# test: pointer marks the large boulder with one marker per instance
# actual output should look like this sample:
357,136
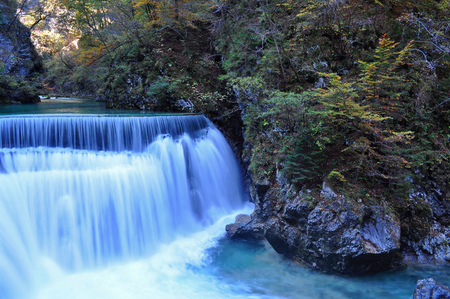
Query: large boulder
431,289
335,235
332,237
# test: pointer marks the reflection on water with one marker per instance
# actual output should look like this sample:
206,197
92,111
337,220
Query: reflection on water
64,106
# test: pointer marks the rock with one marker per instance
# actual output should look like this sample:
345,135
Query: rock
18,57
327,193
331,237
340,241
431,289
245,228
320,83
438,199
431,248
261,190
185,105
283,238
297,212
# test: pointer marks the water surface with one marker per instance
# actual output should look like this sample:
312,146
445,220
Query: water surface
67,106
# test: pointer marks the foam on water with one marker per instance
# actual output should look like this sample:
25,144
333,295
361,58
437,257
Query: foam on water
177,270
83,201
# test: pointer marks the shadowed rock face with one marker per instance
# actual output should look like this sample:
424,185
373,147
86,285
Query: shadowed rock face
332,238
431,289
329,237
245,228
18,57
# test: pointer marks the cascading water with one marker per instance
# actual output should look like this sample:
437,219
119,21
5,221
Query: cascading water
121,207
88,191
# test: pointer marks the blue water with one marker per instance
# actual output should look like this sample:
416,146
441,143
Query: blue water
141,217
264,272
65,106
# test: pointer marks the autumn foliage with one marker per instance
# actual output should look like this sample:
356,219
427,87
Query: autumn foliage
352,92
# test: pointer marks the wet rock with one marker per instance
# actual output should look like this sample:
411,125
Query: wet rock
277,235
431,289
340,241
245,228
431,248
332,237
297,212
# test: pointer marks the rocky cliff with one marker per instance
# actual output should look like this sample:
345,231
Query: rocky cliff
333,234
19,60
330,232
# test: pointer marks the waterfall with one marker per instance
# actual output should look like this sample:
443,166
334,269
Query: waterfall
89,191
98,133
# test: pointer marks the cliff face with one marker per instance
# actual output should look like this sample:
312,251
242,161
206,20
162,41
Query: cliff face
345,127
333,233
19,60
324,231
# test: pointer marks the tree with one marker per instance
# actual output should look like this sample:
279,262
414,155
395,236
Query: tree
303,163
362,109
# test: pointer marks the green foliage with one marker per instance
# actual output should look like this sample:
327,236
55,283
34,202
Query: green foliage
362,109
139,54
282,131
382,113
10,84
159,87
64,76
303,163
7,83
210,102
336,176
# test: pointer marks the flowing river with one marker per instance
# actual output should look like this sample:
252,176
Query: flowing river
97,203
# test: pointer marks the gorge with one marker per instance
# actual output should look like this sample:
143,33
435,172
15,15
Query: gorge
336,111
136,205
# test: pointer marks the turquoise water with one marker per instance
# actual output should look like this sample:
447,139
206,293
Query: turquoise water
264,272
67,106
202,264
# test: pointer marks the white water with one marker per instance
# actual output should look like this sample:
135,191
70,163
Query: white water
96,132
108,206
178,270
148,237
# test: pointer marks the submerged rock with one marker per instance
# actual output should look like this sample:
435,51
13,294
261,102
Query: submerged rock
431,289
